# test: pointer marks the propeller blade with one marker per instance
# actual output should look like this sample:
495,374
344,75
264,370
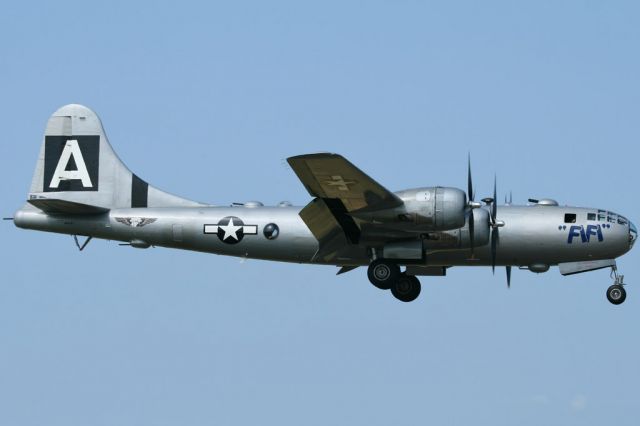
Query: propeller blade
470,193
494,247
508,276
471,198
471,231
510,197
494,205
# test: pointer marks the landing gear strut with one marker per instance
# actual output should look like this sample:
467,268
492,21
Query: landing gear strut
616,293
386,275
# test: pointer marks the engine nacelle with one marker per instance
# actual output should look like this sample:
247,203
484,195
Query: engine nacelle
423,210
453,239
456,239
436,208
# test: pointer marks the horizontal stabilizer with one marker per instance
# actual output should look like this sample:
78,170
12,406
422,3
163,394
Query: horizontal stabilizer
55,206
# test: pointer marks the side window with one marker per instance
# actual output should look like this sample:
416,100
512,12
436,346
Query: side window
570,218
591,216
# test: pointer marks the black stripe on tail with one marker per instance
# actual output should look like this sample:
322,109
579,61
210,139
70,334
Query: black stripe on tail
139,192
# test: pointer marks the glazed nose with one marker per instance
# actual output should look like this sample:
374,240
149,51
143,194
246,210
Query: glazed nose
633,234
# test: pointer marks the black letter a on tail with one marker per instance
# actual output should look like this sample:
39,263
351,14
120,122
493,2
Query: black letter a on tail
71,163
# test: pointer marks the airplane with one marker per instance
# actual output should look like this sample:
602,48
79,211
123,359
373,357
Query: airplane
81,188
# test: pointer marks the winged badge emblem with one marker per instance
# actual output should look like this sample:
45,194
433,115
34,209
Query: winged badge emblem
136,222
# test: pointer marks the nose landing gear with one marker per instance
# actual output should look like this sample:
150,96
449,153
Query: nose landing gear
616,293
386,275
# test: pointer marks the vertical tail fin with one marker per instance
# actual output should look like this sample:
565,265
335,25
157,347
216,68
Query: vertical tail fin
78,165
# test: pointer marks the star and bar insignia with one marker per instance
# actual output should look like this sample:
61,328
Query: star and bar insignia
231,229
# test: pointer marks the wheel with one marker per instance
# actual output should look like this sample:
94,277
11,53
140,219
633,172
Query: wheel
616,294
406,288
383,273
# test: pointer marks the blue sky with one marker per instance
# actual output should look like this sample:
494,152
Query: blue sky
206,100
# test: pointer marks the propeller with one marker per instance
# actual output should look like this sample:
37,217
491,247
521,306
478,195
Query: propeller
495,234
495,229
470,193
470,196
471,205
494,223
508,268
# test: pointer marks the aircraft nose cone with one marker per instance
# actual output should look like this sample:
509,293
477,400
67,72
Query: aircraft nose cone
633,234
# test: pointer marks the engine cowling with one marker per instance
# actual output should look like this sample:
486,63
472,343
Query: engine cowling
456,239
435,208
423,210
453,239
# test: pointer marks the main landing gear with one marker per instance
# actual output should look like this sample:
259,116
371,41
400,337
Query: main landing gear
616,294
386,275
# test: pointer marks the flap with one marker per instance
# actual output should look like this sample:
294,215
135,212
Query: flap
331,226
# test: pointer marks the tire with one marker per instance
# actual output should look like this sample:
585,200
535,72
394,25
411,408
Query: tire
383,273
406,288
616,294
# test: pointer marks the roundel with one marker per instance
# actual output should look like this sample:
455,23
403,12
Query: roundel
231,229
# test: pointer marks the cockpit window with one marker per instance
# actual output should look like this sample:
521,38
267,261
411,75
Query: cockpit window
591,216
602,215
570,218
612,217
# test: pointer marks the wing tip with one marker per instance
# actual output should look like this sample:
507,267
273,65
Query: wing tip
312,156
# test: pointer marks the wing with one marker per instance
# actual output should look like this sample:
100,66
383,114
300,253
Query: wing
333,176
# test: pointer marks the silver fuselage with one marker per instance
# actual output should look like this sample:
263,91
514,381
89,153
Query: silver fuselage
531,234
